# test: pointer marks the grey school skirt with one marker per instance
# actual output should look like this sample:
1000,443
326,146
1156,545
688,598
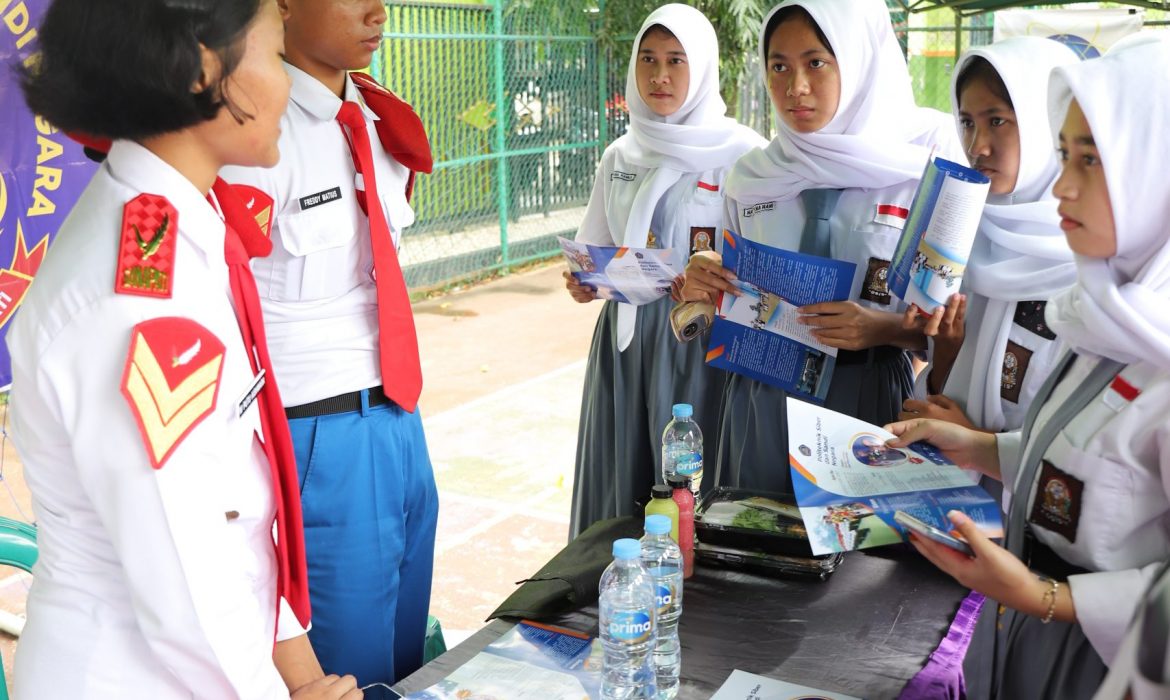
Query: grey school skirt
626,405
753,424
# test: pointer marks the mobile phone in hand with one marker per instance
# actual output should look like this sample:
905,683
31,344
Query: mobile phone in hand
931,532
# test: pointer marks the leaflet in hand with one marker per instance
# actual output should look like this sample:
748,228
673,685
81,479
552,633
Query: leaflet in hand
848,483
932,253
530,662
759,334
630,275
742,685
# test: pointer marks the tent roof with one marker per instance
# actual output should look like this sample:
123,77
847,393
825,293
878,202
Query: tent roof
973,7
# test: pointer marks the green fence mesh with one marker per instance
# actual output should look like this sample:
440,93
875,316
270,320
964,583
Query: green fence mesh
520,97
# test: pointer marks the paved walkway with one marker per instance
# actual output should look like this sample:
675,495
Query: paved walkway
503,365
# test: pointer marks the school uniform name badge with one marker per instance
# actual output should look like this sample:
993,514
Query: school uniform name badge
146,251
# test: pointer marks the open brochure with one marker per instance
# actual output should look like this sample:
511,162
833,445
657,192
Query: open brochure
742,685
759,334
529,662
849,484
630,275
932,253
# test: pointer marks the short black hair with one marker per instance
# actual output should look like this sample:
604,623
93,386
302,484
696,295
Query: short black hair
789,13
980,70
124,70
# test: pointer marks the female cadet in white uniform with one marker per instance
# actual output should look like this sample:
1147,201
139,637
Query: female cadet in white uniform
1020,258
1091,469
849,130
660,185
134,400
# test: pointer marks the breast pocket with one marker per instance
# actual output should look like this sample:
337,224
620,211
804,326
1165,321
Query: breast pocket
871,248
324,257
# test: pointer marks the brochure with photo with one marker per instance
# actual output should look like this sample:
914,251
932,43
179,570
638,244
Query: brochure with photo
629,275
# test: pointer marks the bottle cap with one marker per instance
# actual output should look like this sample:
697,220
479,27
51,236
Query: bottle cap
682,410
627,549
657,524
678,481
660,491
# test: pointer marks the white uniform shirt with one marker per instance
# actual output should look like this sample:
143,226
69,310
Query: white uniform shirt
688,214
1120,450
862,233
144,588
317,289
1148,678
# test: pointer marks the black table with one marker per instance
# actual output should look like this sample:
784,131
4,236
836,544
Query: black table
866,631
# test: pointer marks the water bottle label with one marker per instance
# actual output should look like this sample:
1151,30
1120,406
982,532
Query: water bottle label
689,464
631,627
664,597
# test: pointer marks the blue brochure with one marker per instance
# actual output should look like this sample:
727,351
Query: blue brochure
530,662
932,253
758,334
849,484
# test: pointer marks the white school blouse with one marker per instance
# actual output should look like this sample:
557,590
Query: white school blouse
1119,449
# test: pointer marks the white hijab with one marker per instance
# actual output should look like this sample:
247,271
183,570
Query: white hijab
696,138
878,138
1120,306
1020,253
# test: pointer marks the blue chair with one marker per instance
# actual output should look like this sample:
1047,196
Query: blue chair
18,547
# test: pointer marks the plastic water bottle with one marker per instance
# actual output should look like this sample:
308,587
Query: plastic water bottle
664,561
627,625
682,447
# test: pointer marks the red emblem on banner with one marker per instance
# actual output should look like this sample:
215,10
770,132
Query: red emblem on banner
146,253
259,205
171,381
14,281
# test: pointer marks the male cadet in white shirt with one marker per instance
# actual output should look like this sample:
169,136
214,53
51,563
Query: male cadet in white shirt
342,340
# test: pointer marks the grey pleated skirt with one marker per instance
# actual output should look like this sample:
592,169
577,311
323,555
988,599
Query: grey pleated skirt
626,405
753,424
1030,659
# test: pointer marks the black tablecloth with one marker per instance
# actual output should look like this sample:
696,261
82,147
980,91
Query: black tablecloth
866,631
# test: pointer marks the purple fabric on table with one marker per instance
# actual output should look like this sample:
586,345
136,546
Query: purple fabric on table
942,676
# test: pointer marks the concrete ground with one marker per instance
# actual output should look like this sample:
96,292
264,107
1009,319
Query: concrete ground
504,364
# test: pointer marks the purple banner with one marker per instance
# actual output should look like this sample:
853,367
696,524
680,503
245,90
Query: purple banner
42,171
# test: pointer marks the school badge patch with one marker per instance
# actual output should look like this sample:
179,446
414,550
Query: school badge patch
1016,359
1058,502
171,381
146,252
876,286
702,238
258,204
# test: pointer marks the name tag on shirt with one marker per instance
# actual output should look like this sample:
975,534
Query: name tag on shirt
250,395
751,211
316,200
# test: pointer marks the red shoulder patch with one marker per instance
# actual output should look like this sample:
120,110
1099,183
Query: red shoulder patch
171,381
146,250
258,204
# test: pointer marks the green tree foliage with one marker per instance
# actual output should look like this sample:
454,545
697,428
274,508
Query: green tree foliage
615,22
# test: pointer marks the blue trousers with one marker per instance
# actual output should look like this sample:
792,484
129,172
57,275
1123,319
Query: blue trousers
370,509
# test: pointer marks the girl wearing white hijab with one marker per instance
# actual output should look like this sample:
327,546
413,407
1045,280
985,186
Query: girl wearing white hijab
1020,258
851,148
660,185
1091,468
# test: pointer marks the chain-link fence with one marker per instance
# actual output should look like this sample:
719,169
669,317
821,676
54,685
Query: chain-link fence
517,120
518,117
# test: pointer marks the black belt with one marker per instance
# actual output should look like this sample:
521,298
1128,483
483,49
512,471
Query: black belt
880,354
343,403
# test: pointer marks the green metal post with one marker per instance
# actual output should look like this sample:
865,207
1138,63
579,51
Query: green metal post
502,115
958,36
602,84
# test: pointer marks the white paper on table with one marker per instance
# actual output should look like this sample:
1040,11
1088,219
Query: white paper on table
488,675
742,685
